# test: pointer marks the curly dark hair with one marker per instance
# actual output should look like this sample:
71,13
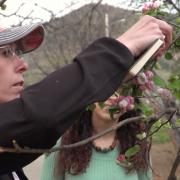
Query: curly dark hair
76,160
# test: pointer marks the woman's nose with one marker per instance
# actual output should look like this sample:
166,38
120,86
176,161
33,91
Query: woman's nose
20,65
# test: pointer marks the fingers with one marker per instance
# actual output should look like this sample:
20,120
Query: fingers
164,27
166,30
142,34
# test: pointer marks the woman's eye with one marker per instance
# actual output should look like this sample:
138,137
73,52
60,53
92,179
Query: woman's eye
7,53
4,53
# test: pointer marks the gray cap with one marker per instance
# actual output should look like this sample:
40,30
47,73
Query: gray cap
27,37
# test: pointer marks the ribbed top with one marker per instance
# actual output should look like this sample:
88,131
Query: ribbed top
103,166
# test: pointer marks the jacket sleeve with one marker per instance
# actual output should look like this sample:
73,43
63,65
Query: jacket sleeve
46,109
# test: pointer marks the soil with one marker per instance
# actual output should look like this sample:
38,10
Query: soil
163,156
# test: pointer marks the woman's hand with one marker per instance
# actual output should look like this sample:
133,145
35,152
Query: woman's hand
142,34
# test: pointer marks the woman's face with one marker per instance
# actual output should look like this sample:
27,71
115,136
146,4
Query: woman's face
12,68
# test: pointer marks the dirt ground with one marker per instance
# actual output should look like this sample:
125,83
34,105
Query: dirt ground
163,156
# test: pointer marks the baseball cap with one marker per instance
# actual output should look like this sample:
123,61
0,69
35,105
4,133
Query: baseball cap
26,37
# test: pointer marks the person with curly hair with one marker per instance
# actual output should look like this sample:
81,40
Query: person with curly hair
100,159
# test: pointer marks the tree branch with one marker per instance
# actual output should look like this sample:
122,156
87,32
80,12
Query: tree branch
172,175
173,4
18,149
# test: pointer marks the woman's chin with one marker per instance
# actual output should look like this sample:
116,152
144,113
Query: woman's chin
12,97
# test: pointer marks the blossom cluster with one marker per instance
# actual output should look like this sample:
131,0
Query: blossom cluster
152,5
164,93
124,103
144,80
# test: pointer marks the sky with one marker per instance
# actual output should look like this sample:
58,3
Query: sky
59,7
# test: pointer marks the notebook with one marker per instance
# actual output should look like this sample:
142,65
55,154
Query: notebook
143,59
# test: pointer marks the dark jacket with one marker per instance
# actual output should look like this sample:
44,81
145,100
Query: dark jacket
20,174
48,108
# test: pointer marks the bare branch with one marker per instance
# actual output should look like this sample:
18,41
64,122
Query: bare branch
173,4
172,175
18,149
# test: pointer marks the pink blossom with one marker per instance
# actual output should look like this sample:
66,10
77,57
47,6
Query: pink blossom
112,102
130,101
121,158
142,78
149,74
157,4
123,104
151,5
160,90
142,87
130,107
150,85
127,103
164,93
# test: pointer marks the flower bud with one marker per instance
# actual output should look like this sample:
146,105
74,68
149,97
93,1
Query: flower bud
121,158
142,88
130,107
150,85
123,104
164,93
149,74
142,79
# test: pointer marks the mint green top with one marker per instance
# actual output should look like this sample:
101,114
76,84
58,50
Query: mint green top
102,166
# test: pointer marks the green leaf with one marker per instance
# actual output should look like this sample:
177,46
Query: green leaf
124,164
113,110
159,81
177,42
132,151
157,66
178,20
174,85
147,110
177,95
173,78
136,91
168,56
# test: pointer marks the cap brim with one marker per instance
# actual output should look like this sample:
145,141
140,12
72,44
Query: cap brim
27,38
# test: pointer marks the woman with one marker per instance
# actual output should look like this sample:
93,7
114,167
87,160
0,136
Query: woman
99,159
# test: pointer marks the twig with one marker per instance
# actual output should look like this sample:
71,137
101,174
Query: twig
173,4
177,37
169,119
172,175
18,149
